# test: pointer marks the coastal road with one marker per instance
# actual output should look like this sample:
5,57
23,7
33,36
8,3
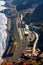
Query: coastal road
35,43
22,47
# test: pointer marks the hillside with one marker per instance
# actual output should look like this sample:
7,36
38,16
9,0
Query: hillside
25,4
36,16
18,2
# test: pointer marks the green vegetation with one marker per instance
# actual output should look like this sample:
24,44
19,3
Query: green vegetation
27,18
33,62
38,61
36,17
31,43
15,35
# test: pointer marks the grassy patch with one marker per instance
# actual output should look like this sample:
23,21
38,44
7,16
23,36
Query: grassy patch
15,34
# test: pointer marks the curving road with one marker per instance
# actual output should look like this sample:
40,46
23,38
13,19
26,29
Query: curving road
35,43
22,46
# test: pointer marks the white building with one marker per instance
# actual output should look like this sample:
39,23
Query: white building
26,32
26,27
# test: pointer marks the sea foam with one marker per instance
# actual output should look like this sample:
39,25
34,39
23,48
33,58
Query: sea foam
3,27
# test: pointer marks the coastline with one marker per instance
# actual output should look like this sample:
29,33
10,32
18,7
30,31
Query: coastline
3,28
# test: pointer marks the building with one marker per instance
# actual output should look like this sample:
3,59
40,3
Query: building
26,32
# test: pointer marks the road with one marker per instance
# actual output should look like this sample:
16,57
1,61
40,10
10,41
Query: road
22,46
35,43
19,30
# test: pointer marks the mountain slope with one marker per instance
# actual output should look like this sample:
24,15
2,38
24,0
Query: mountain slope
25,4
18,2
36,16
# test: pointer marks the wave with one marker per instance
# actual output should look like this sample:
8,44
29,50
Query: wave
3,27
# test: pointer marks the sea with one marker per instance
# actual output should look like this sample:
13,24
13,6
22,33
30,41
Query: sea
3,28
